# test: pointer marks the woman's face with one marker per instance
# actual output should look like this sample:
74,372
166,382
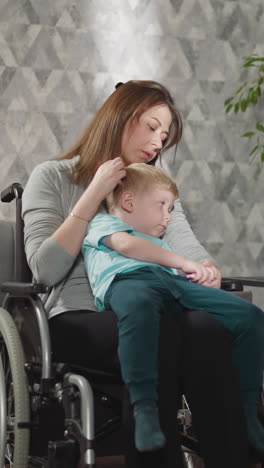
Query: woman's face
142,140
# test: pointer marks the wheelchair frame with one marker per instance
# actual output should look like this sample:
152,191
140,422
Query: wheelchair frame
78,403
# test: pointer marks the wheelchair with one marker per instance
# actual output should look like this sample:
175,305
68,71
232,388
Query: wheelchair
55,415
47,409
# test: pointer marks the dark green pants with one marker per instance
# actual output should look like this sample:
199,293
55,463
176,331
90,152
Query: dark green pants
140,297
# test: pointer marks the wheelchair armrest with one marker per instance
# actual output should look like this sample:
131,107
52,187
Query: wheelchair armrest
231,284
23,289
254,281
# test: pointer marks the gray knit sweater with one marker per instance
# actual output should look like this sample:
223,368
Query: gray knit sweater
48,199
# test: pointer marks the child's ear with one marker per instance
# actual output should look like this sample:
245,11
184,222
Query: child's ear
127,199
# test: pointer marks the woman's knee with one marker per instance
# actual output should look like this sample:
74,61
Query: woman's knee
212,342
251,318
202,327
257,320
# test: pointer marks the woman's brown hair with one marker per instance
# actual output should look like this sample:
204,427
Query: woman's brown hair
101,140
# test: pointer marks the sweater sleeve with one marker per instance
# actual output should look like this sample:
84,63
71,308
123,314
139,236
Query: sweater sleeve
180,237
42,212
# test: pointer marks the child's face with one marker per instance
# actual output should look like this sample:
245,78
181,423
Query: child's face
151,211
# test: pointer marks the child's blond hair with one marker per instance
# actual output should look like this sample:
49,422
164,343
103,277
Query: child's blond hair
141,178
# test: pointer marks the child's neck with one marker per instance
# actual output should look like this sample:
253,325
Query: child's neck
122,214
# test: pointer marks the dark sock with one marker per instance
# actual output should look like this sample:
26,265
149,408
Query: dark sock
148,434
254,427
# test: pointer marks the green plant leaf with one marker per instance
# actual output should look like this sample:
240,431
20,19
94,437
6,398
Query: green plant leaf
244,104
228,108
250,93
227,101
252,59
248,134
262,156
254,150
236,108
260,127
237,91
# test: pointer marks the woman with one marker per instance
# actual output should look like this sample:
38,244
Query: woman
136,123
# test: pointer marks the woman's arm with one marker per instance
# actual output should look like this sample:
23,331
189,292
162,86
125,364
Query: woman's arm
53,238
43,213
181,239
72,231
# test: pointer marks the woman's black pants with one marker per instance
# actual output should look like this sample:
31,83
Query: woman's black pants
195,358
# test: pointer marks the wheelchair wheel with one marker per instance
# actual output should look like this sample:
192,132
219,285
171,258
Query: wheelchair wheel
17,397
2,414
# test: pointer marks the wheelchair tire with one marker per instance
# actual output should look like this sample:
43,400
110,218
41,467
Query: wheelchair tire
17,395
2,414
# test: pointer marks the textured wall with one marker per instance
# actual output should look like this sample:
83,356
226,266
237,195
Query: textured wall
59,59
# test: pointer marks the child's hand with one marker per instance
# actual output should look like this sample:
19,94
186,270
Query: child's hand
196,272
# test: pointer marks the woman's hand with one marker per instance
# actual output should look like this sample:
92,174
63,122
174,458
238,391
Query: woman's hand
208,276
197,272
107,177
215,280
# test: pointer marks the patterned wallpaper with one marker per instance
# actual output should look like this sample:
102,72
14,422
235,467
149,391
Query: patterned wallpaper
60,59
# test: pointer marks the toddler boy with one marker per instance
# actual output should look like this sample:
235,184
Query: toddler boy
127,261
